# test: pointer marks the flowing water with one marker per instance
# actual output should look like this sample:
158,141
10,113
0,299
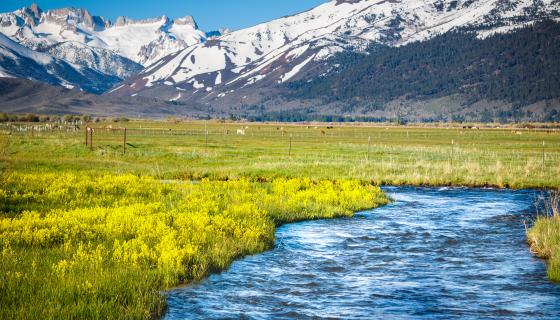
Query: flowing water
432,253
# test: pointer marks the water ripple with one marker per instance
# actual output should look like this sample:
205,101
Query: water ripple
432,254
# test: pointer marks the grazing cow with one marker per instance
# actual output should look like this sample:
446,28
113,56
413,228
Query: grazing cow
240,132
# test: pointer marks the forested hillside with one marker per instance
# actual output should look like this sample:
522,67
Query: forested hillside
521,67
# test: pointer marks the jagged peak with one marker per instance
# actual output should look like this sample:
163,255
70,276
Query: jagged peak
123,21
34,10
75,16
31,15
187,20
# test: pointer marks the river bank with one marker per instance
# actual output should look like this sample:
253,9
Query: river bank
544,235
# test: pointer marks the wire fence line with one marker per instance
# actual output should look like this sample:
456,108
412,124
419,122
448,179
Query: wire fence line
270,131
311,144
266,130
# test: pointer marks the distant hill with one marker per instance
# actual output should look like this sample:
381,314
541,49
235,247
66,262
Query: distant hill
27,96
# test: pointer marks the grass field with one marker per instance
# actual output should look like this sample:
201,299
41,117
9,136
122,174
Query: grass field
98,230
385,154
87,233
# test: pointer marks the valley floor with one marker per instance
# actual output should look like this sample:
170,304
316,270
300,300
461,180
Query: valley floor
97,230
506,157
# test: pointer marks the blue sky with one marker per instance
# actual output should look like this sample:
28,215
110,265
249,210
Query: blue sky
209,14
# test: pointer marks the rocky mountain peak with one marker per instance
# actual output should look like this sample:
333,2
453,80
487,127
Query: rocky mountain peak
76,17
187,20
31,14
124,21
34,11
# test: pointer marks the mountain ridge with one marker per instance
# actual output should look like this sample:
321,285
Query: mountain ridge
116,51
286,49
108,52
246,71
36,28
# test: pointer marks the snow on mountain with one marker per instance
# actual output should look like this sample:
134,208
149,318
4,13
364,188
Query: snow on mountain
11,48
178,57
146,41
292,47
118,49
102,60
21,62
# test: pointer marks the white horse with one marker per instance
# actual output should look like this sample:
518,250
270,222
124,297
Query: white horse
240,132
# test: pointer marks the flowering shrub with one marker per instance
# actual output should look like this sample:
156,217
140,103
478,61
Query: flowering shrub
84,228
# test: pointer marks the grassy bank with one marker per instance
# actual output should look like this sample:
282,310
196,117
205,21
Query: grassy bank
79,246
544,236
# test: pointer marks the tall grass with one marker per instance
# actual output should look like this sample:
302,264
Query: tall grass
544,236
397,155
102,247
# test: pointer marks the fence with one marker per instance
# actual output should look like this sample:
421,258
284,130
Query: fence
307,143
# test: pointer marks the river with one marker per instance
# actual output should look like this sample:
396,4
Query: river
432,253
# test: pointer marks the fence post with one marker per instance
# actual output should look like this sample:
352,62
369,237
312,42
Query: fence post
91,139
452,152
543,158
206,141
87,132
368,147
290,149
124,142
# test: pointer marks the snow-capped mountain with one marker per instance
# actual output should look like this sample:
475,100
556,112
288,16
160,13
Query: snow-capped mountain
18,61
117,49
233,67
174,60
